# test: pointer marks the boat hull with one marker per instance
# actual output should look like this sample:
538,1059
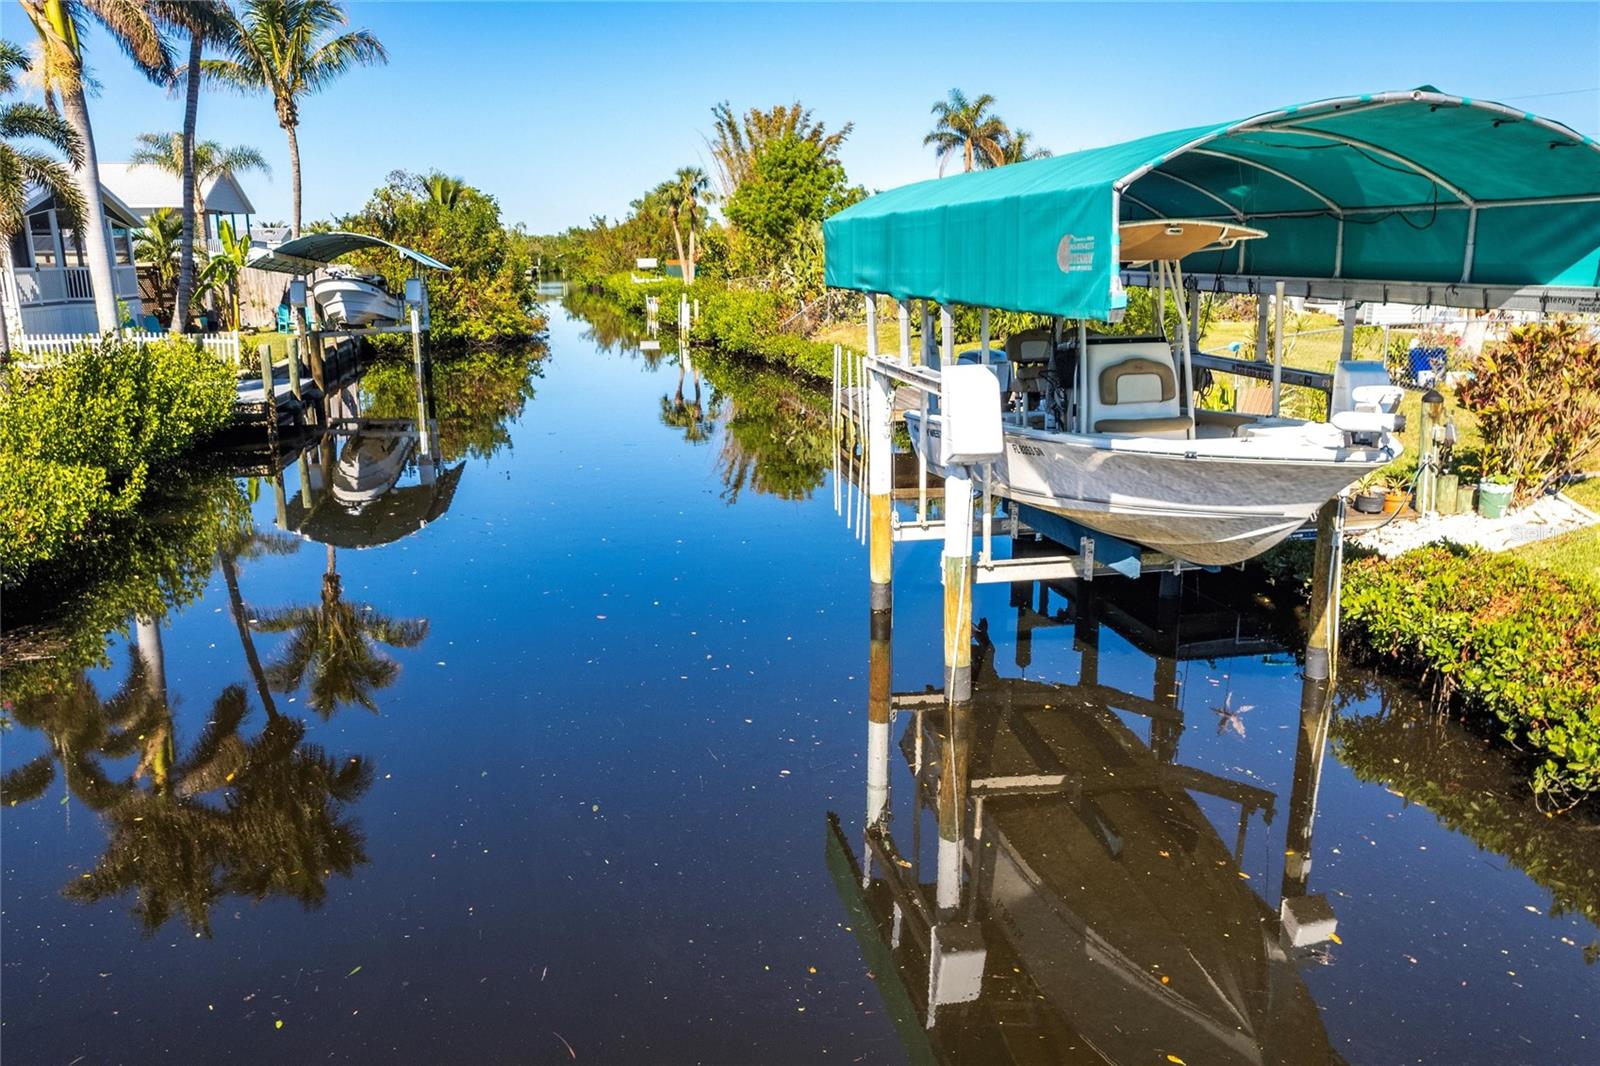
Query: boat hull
1208,509
356,303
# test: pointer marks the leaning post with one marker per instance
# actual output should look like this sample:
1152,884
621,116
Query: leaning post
269,396
880,468
1322,648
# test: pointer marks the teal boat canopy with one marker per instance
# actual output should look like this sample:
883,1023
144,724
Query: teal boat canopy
1413,196
311,252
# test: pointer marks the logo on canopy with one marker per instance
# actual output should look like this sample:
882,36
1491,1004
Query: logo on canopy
1075,255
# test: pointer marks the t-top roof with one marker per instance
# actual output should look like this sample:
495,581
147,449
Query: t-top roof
1402,187
313,251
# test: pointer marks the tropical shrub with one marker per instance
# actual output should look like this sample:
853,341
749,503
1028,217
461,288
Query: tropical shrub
1536,395
734,321
486,296
79,441
1513,646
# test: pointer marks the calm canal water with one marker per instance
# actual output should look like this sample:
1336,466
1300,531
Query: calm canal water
571,762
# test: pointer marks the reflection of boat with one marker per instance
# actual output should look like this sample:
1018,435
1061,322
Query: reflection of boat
370,462
1082,905
346,298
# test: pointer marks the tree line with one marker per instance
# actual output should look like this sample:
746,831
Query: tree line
776,175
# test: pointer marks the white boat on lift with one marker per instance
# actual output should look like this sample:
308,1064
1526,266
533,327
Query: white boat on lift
1117,444
371,461
347,299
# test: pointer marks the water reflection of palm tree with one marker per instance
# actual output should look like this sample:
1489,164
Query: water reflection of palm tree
336,642
254,545
279,831
84,731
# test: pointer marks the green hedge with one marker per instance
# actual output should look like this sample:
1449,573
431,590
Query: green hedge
1514,645
79,441
736,321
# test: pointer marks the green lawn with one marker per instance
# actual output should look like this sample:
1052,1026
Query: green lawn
1586,493
1575,555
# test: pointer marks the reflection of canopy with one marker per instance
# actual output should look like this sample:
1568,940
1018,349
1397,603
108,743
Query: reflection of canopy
1475,198
398,513
312,252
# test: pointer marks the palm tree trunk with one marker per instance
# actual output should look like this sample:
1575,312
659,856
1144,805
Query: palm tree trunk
688,264
677,238
230,574
191,110
294,179
94,237
967,146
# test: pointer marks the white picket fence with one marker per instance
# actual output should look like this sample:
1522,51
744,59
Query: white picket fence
38,350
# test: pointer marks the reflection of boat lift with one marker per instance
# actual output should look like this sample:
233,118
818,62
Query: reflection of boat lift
1035,937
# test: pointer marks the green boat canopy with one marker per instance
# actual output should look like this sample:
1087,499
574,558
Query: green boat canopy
313,251
1412,196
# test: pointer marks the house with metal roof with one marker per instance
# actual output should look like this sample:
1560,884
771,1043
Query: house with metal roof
147,189
46,288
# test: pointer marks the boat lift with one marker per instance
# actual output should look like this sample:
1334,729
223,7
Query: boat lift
1415,196
304,256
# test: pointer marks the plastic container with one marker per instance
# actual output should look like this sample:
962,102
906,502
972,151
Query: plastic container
1445,493
1368,502
1493,499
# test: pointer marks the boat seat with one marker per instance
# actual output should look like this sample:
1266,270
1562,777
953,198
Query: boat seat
1144,427
1137,380
1229,423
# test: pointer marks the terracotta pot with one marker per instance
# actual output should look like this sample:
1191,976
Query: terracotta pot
1395,500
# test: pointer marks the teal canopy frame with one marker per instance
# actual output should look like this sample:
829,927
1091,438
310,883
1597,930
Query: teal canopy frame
1414,196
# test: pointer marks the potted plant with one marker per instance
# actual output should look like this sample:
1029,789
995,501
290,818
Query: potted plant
1494,495
1395,499
1370,492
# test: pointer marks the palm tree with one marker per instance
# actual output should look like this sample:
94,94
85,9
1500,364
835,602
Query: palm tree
291,49
1016,147
740,138
158,245
684,194
198,164
336,643
60,25
445,190
968,127
22,166
204,21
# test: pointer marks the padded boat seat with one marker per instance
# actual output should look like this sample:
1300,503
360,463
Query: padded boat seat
1137,380
1232,419
1144,427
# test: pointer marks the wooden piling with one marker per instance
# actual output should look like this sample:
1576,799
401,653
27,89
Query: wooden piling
878,697
269,396
958,587
294,366
880,470
1322,648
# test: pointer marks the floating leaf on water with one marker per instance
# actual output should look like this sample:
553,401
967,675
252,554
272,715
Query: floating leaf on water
353,972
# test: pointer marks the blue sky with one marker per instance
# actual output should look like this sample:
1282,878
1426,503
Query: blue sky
565,111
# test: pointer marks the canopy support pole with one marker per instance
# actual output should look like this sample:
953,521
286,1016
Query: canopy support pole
927,334
983,335
1262,308
1185,331
1347,345
1277,348
1081,382
903,311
